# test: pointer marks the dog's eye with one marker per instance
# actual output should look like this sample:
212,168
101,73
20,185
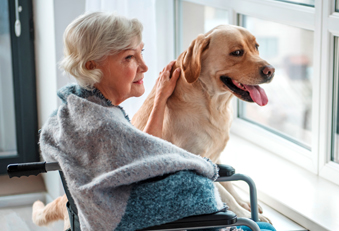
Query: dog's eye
237,53
257,47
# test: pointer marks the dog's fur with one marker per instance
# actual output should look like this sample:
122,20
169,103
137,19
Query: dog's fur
56,210
199,113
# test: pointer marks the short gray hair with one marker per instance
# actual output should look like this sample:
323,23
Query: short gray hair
92,37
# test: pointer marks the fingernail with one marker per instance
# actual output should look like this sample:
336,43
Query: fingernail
178,69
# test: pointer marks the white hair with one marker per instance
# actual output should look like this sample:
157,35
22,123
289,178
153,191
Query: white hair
92,37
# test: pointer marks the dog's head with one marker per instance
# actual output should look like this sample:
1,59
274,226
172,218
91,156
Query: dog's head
227,59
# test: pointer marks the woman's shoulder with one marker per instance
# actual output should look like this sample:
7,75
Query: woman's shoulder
86,99
73,89
90,94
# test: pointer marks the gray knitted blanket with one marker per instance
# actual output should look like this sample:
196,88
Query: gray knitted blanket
121,178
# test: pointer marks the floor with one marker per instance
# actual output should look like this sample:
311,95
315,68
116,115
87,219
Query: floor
19,219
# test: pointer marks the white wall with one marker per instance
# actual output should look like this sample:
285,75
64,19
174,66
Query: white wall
45,58
164,32
50,20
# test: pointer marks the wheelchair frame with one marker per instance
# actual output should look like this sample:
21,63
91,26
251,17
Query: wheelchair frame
217,220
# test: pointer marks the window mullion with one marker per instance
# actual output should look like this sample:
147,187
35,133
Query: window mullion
316,84
329,71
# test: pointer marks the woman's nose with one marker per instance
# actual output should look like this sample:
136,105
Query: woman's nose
143,66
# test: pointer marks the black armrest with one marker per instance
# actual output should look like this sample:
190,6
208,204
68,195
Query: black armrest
225,170
220,219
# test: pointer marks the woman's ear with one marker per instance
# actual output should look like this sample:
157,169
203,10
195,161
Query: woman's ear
191,58
90,65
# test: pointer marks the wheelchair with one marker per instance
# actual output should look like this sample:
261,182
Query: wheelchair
199,222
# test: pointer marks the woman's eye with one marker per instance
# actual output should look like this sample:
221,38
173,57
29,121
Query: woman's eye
237,53
129,57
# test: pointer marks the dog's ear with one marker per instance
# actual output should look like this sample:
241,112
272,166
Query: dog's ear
191,60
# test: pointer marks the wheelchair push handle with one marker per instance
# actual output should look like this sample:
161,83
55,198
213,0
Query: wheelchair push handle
28,169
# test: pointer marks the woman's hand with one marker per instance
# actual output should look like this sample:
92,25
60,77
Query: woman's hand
165,83
164,88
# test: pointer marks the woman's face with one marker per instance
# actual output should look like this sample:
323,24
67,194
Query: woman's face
123,75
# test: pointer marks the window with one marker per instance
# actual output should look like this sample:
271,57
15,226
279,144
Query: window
18,110
290,94
300,38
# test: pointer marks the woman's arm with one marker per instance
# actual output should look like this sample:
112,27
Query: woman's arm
164,88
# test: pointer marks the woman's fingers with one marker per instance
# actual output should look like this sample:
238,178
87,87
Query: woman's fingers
166,71
176,74
170,65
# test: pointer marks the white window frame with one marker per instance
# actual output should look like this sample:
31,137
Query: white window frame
330,29
324,22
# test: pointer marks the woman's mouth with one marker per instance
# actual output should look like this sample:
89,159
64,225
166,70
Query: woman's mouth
140,81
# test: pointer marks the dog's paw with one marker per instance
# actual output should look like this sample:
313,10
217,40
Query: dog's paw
241,212
264,219
247,205
37,208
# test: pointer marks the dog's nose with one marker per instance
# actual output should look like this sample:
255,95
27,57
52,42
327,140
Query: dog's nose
268,72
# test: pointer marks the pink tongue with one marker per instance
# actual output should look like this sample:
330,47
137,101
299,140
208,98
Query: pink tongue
257,94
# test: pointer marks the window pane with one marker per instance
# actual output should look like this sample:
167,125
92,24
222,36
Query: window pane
289,108
198,19
300,2
335,129
7,113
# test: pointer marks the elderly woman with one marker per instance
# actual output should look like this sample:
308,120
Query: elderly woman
120,178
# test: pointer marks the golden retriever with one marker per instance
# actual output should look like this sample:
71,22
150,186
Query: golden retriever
217,65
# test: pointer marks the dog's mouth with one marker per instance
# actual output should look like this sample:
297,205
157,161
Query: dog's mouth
249,93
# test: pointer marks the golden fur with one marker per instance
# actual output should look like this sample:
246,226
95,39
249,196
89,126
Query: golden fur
199,113
56,210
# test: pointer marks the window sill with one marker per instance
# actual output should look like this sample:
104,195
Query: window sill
298,194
